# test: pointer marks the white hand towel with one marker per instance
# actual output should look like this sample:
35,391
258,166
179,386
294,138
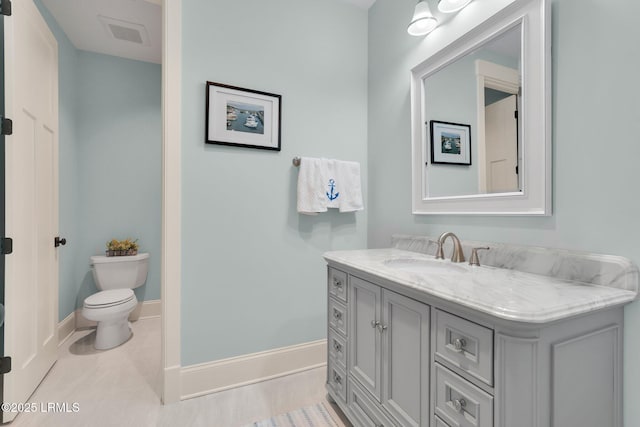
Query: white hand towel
349,185
327,183
311,178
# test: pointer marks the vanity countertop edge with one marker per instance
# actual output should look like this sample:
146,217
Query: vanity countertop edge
505,294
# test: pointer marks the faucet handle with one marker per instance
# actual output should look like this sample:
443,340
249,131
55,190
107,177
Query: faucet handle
474,260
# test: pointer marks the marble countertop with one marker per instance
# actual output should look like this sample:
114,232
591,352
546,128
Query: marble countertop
506,294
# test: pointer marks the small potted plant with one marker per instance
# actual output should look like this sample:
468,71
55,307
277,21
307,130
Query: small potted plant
122,247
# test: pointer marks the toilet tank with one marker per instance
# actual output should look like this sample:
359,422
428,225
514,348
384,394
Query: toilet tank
120,272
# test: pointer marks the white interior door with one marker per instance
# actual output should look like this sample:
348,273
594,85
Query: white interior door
501,144
31,281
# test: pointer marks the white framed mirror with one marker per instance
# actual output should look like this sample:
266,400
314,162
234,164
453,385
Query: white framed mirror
481,127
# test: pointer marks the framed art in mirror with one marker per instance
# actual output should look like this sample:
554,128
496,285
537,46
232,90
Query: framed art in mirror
452,143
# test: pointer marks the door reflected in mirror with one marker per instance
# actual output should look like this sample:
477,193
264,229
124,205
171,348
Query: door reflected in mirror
480,91
501,144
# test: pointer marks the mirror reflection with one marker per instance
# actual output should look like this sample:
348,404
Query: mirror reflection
471,110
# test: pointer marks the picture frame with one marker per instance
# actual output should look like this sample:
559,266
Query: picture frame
450,143
242,117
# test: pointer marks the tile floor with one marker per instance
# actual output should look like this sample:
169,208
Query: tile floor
121,387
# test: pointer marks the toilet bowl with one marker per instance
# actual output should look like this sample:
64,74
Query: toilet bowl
111,310
115,277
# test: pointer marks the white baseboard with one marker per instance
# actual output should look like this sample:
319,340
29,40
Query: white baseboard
66,327
211,377
144,310
151,308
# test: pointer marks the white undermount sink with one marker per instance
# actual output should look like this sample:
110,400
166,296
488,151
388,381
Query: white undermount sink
425,266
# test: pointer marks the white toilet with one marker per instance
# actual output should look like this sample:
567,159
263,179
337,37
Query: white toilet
115,277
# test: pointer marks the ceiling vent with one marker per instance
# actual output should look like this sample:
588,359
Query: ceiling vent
125,31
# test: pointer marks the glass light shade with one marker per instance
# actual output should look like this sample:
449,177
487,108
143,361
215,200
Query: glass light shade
423,21
450,6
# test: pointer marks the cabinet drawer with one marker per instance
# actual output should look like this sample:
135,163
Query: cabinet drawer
338,284
337,380
460,403
465,345
338,316
337,348
440,423
365,410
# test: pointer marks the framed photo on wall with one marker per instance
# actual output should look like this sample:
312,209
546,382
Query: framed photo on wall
450,143
242,117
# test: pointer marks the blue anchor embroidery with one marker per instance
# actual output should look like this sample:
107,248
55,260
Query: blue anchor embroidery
332,185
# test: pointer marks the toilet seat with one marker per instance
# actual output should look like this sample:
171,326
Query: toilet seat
110,298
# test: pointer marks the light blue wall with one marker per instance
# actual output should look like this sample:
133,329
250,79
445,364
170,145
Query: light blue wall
119,132
69,165
450,97
253,277
596,146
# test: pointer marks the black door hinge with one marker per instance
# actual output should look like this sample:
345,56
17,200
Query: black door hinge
6,126
5,365
516,170
5,7
515,114
7,245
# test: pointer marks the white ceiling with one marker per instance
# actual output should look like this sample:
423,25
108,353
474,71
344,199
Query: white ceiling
83,21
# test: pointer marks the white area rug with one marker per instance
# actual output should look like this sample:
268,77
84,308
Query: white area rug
311,416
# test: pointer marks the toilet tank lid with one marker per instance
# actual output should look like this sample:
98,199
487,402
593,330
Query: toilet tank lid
102,259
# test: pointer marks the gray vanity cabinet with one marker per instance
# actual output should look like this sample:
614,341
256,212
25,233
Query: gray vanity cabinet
405,359
398,357
365,343
389,349
337,335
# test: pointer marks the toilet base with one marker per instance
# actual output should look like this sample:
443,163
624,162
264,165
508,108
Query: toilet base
112,333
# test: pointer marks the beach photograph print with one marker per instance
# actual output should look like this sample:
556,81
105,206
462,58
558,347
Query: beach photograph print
450,143
243,117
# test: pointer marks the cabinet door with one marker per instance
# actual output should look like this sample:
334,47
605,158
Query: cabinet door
364,335
405,359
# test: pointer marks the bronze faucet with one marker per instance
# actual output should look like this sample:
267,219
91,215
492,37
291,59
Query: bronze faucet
457,255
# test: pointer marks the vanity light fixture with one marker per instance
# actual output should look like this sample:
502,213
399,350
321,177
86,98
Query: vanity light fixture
423,21
450,6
